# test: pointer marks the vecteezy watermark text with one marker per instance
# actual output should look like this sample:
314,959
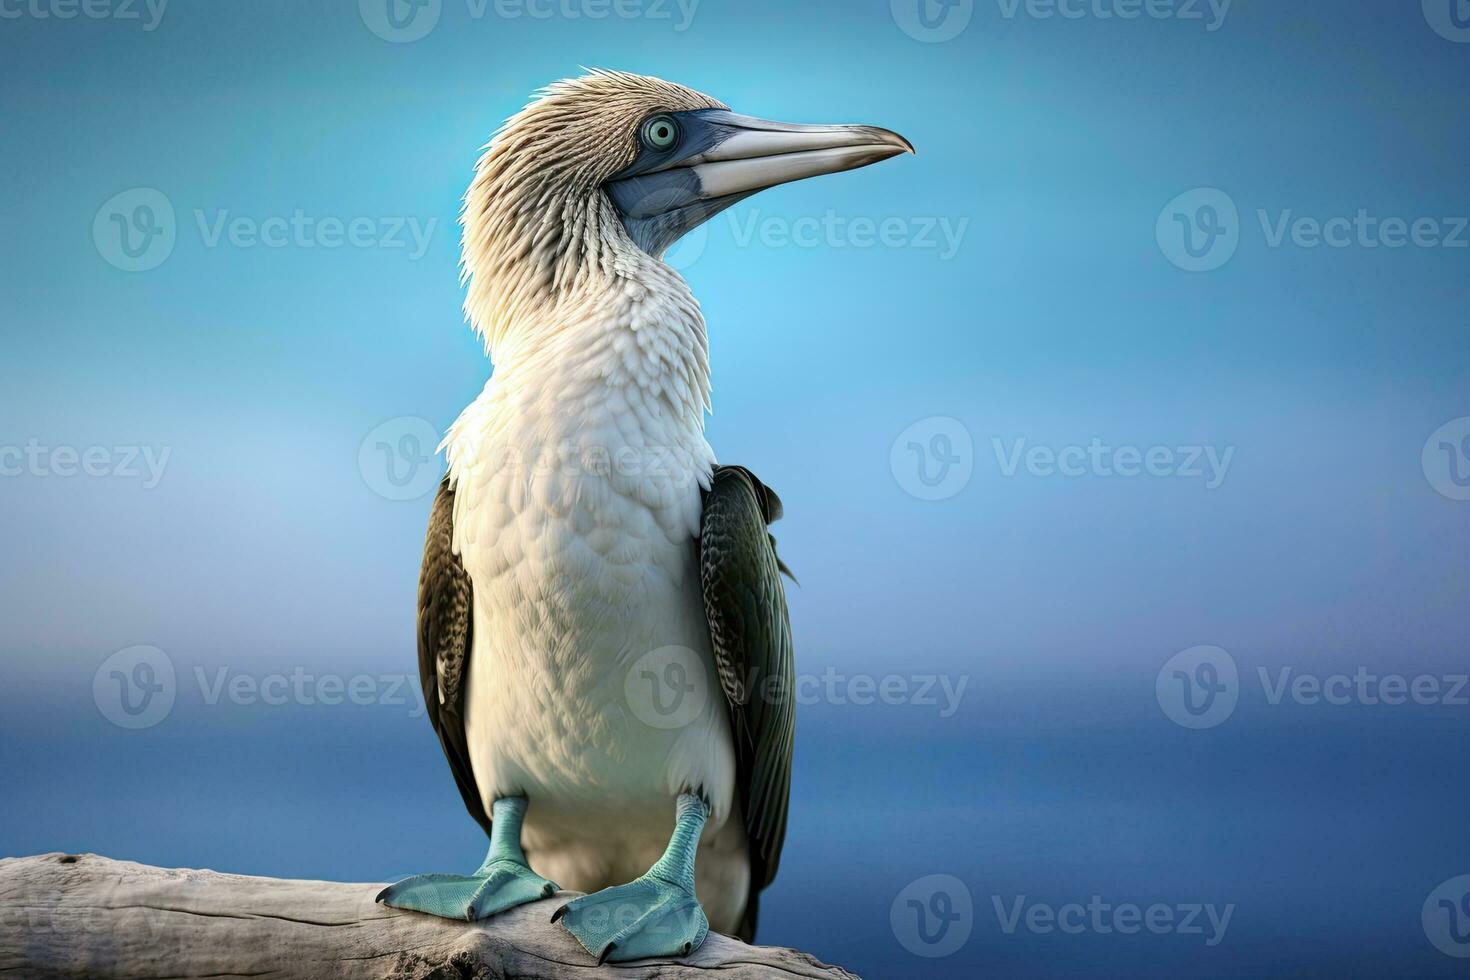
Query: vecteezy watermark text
34,459
943,235
303,688
940,691
403,21
671,687
1362,230
679,12
934,458
1201,686
1200,230
148,13
1207,463
934,21
300,230
1363,687
137,687
136,230
933,917
1102,918
1211,13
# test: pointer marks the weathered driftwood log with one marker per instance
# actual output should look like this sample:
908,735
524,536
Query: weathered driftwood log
65,915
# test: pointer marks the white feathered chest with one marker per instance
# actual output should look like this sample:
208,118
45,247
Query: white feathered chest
578,475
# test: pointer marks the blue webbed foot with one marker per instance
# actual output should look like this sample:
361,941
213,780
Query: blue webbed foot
497,886
646,917
655,915
503,881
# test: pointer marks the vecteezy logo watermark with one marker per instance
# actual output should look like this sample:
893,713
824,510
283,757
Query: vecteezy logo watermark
1206,463
135,230
303,688
1449,18
1363,687
1199,230
397,459
934,458
409,20
1103,919
1363,230
135,688
942,237
122,10
400,21
917,690
1199,687
1446,917
1446,459
680,13
942,20
668,687
300,230
932,21
1182,10
933,916
145,463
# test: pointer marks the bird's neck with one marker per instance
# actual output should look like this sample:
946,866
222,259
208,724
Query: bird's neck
610,381
633,330
561,295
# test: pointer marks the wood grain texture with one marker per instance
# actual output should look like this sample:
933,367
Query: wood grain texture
64,915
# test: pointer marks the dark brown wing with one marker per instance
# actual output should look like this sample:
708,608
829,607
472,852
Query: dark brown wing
446,635
751,634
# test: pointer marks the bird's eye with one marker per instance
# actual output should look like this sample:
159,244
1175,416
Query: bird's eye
660,133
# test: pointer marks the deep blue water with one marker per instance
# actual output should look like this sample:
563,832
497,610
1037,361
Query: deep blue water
1324,830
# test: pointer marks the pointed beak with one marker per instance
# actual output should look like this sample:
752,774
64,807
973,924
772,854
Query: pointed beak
723,158
758,153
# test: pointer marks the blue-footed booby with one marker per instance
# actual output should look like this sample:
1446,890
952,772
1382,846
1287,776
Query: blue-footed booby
584,542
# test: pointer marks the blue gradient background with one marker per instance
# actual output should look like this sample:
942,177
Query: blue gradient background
264,549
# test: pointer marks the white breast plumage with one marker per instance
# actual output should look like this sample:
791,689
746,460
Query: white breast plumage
578,476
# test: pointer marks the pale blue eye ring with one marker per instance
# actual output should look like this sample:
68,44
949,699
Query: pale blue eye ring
660,133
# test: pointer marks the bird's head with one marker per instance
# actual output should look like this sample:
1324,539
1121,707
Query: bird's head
610,167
